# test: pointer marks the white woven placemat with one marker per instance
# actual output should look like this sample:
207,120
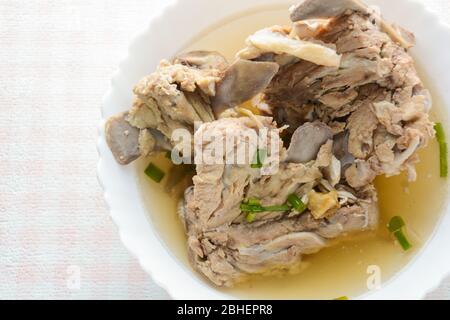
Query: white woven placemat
56,238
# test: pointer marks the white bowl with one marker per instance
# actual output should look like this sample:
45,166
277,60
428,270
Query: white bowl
170,31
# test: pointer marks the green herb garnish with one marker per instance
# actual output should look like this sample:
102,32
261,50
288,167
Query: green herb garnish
250,217
154,173
443,149
253,206
440,133
254,202
396,223
283,207
443,162
258,208
249,208
401,238
296,203
396,226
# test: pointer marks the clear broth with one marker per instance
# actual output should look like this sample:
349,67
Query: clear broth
341,270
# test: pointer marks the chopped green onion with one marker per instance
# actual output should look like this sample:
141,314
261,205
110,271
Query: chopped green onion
443,149
296,202
396,223
258,159
395,226
154,173
254,202
401,238
342,298
253,206
283,207
250,217
440,133
249,208
245,207
443,162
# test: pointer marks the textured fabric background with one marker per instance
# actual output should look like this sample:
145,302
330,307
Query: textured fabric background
56,238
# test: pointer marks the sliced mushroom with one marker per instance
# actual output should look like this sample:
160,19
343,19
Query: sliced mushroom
202,60
122,139
151,141
313,9
243,80
307,140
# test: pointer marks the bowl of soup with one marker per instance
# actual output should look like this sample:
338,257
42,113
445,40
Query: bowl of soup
356,101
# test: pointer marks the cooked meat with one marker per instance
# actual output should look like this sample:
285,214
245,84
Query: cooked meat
375,97
152,141
177,95
174,97
274,189
141,116
337,99
308,9
361,125
359,174
226,248
202,60
196,87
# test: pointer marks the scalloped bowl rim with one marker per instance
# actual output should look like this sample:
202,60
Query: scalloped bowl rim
428,268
